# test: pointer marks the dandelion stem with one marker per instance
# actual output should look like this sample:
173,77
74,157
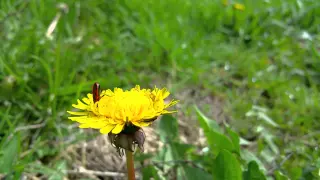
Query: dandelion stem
130,165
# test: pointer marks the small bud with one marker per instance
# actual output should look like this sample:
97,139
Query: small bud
139,138
128,141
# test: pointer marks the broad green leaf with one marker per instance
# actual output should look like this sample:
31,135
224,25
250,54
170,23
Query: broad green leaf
160,156
216,140
18,170
139,156
169,156
9,155
253,172
175,152
180,149
150,172
166,154
204,159
176,155
226,167
250,156
212,124
279,176
235,139
188,172
168,128
318,163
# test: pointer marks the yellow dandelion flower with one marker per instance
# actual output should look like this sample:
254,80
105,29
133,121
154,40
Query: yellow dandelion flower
114,111
239,6
225,2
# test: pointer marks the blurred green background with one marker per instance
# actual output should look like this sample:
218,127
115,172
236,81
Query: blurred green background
260,58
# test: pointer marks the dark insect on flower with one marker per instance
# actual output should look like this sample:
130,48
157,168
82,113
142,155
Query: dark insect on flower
96,92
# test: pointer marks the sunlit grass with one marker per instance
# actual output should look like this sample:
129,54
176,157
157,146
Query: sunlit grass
265,55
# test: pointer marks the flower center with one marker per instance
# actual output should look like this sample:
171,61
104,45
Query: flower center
125,106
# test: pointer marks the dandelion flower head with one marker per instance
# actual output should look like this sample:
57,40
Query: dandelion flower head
113,111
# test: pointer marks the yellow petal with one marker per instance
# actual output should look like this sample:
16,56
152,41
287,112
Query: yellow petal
80,105
118,129
171,103
90,96
239,6
77,113
168,112
94,124
80,119
84,126
141,124
107,92
86,100
137,87
165,93
107,129
152,115
117,90
87,119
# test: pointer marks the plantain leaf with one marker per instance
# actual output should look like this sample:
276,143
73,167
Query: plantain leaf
216,140
226,166
9,155
253,172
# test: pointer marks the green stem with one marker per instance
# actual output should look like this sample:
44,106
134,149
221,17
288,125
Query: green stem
130,165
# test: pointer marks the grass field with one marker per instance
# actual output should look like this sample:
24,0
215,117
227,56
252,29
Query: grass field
261,61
